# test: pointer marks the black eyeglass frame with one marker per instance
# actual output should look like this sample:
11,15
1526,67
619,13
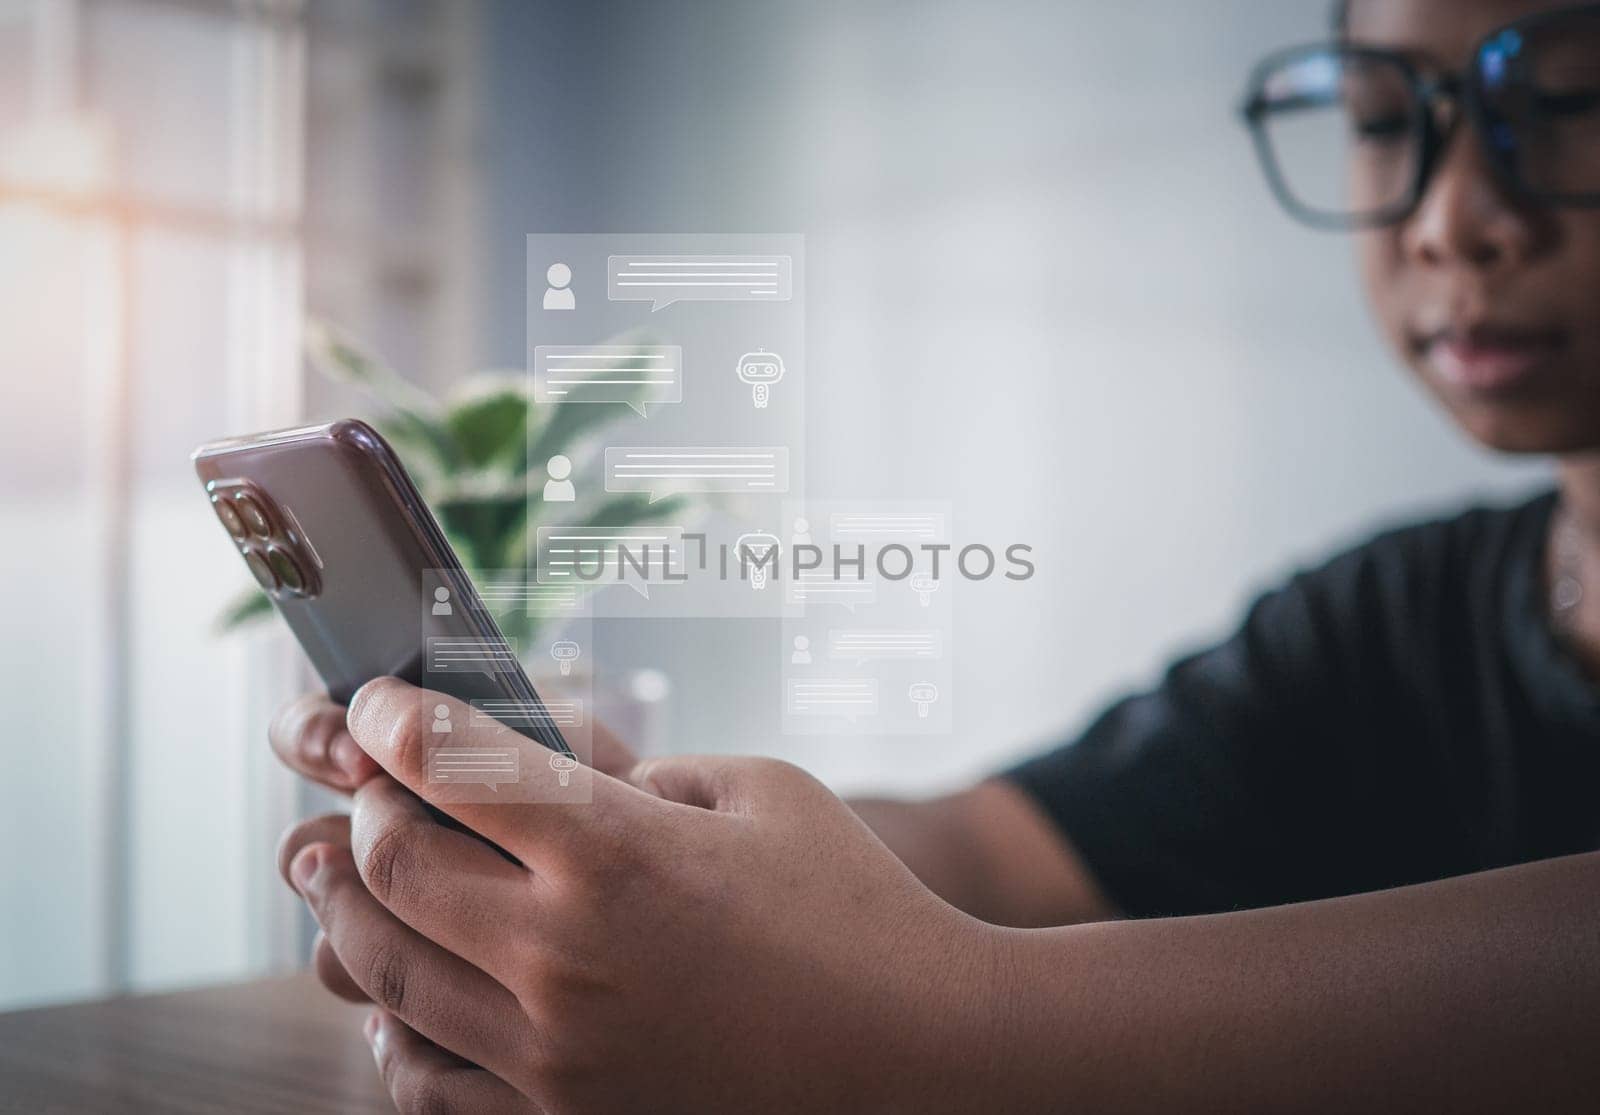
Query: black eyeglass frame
1463,94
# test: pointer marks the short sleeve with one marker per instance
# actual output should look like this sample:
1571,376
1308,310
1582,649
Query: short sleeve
1259,771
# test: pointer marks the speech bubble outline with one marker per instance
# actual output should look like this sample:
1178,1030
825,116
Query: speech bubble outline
454,654
644,540
665,471
848,593
560,372
854,525
662,279
513,713
884,644
519,594
820,696
480,765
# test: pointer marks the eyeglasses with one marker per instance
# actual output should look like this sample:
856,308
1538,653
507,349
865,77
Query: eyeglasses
1349,136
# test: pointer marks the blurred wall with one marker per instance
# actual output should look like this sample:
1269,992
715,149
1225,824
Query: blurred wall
1046,284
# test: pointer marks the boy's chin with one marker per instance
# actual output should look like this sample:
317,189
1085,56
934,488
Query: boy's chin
1527,429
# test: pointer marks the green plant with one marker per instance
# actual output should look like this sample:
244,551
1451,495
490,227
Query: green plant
474,455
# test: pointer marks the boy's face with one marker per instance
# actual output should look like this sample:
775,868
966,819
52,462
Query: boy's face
1492,300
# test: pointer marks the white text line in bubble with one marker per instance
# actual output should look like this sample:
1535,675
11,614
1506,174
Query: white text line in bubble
854,526
637,556
637,376
452,655
848,698
527,714
862,645
664,279
817,586
487,766
525,595
664,471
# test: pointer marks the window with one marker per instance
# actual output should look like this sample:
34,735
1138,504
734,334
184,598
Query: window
150,298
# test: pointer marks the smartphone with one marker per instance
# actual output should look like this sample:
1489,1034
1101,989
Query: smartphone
335,532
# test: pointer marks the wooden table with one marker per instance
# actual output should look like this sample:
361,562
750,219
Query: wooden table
277,1045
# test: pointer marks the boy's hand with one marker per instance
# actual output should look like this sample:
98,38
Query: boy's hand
706,934
312,739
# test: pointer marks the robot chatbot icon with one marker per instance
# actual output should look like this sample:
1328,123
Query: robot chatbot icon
760,370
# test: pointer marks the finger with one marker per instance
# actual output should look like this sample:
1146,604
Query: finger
434,991
310,736
421,1077
331,973
450,887
721,783
393,722
610,755
330,828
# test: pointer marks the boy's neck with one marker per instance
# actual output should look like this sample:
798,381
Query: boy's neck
1573,550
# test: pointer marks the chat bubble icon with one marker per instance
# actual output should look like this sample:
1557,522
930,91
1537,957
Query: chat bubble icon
507,595
515,713
664,471
844,698
821,586
637,376
461,655
485,766
891,526
636,556
863,645
733,277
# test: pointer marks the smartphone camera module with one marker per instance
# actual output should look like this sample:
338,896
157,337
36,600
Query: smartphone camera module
260,570
230,518
254,517
286,570
277,556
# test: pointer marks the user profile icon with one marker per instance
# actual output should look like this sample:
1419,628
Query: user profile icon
559,489
441,602
802,651
441,719
558,294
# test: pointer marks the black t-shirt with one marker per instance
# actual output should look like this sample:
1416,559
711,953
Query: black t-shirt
1401,714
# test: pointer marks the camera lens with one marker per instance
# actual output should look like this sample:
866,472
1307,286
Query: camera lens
255,518
260,570
284,567
230,518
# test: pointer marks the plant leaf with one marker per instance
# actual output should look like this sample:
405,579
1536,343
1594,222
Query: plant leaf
486,527
342,359
490,427
247,608
425,447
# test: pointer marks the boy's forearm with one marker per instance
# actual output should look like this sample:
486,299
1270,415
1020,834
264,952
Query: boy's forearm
928,839
988,852
1471,994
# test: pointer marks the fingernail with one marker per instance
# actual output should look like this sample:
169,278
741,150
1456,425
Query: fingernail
348,754
371,1028
304,868
377,1037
